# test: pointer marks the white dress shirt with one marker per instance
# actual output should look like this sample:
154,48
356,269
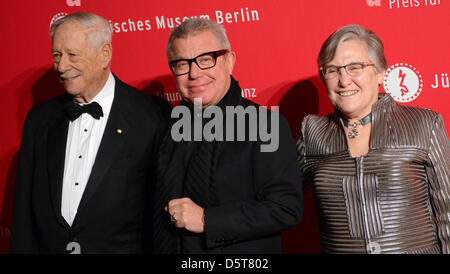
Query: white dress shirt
83,140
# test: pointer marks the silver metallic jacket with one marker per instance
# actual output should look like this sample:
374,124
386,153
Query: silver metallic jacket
395,199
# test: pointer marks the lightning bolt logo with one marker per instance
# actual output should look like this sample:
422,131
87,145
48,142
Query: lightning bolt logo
403,82
403,88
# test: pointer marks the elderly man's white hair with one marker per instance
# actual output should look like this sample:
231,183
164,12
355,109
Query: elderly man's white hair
99,29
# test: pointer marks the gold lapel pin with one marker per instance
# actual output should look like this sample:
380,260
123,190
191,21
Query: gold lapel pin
119,131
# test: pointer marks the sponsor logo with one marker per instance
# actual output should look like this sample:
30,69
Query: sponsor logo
398,4
57,16
237,16
403,82
248,92
401,4
372,3
175,97
443,80
172,97
72,3
161,22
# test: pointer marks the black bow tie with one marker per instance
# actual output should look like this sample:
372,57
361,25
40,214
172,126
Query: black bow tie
74,110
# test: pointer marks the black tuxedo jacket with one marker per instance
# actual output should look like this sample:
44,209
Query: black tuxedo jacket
112,213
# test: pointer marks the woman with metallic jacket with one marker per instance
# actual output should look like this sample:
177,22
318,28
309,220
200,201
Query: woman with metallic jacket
379,170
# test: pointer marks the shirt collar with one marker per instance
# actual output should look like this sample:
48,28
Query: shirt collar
106,95
384,104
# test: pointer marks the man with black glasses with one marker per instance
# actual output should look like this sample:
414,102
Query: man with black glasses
221,195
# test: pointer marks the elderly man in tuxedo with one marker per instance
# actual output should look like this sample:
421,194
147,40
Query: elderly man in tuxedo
86,158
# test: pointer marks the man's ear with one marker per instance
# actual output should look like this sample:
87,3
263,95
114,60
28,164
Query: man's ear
231,60
105,52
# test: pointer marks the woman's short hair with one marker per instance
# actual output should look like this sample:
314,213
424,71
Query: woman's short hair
193,26
100,30
353,32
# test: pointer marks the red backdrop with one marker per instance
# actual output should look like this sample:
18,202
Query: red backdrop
276,43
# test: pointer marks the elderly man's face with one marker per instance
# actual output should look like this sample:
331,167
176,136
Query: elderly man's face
210,84
82,70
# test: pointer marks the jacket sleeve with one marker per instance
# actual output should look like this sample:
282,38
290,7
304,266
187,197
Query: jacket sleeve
439,179
278,202
23,234
301,149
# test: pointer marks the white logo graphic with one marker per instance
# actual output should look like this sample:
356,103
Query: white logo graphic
372,3
58,16
403,82
72,3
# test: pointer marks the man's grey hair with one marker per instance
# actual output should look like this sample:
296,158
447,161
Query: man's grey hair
193,26
353,32
99,29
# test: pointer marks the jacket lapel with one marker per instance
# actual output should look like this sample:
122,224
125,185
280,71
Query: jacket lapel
113,138
56,152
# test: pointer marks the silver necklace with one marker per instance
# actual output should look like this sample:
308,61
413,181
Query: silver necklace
353,133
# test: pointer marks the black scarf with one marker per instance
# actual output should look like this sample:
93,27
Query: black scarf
187,169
